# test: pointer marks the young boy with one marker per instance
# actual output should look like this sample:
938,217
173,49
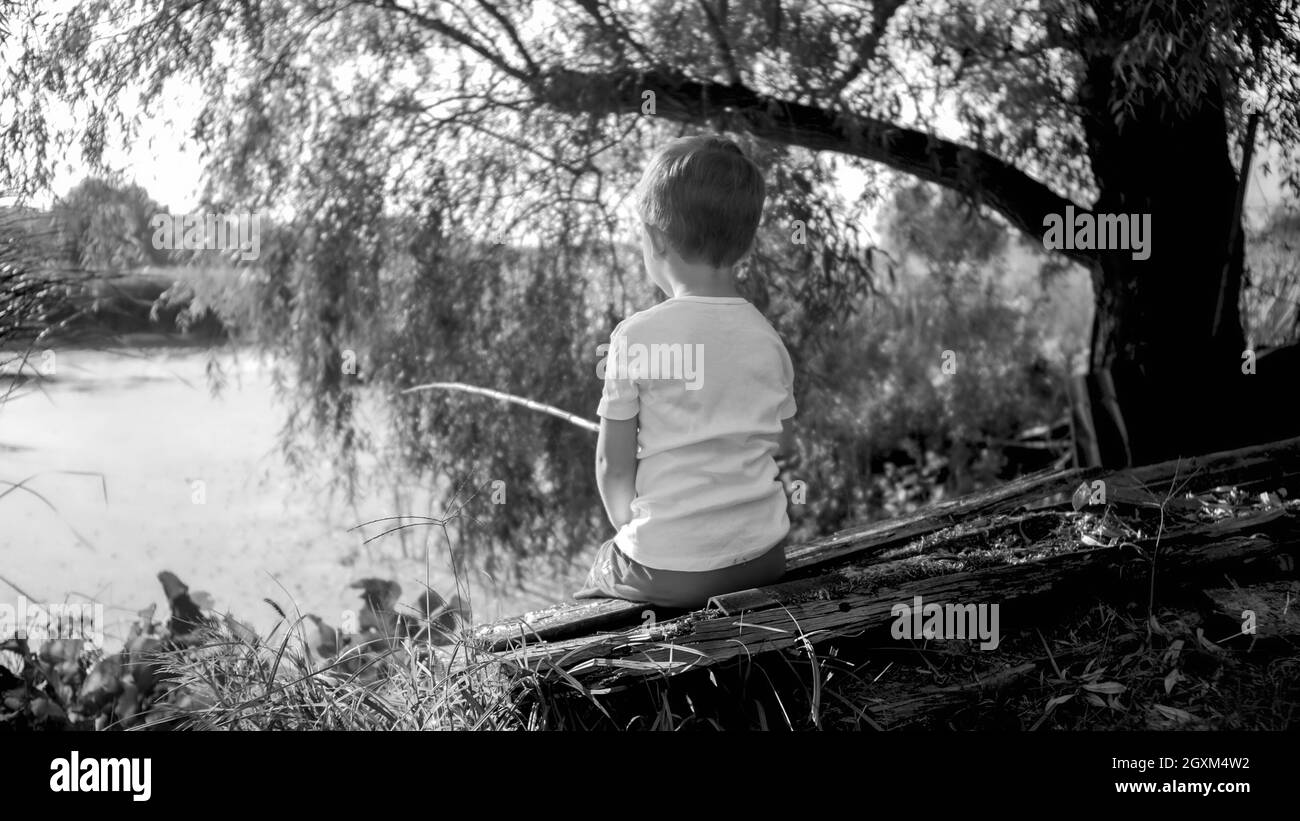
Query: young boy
697,397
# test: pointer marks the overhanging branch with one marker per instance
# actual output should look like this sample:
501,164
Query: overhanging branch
1024,201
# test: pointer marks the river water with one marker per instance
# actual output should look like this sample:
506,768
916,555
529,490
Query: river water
139,469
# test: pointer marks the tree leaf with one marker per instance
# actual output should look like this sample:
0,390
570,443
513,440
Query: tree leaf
1175,714
1053,703
1080,498
1170,680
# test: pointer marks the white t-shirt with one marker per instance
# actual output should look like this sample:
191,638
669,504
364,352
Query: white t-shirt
708,379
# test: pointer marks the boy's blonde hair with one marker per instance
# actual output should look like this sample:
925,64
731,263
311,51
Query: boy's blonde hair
706,196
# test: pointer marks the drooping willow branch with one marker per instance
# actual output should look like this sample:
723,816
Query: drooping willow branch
531,404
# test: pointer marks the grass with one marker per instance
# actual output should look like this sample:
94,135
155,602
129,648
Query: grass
237,685
230,683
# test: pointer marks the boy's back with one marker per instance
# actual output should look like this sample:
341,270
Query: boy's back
696,390
710,382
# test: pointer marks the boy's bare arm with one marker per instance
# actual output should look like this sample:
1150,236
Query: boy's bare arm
616,468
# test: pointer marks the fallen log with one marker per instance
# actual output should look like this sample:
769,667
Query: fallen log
1261,467
566,620
705,638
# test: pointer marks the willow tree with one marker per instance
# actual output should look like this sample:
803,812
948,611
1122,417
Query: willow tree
437,137
1058,107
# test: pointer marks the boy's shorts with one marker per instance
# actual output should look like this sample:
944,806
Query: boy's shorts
614,576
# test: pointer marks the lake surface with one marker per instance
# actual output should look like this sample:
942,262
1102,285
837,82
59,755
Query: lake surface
146,421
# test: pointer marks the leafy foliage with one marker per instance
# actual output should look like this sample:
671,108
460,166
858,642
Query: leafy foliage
892,428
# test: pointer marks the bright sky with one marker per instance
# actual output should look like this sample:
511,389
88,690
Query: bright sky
164,162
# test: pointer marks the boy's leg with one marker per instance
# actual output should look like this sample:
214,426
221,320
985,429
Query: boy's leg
609,575
614,575
690,590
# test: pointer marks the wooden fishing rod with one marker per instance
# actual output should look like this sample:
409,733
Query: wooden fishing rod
502,396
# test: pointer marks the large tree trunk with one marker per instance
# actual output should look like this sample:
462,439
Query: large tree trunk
1167,330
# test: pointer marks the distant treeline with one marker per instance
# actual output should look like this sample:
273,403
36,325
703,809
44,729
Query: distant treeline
86,271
